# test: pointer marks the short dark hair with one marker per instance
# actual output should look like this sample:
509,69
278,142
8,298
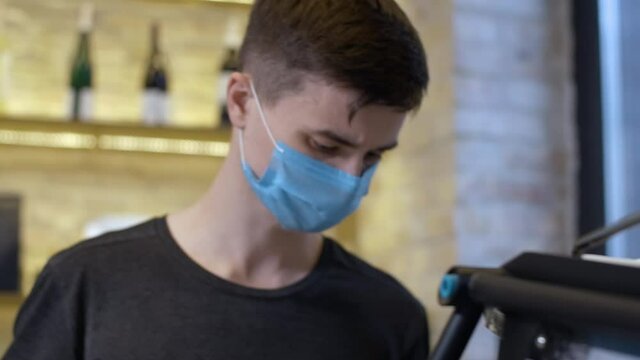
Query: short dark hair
369,46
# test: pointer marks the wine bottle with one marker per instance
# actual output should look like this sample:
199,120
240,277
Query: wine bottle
232,41
155,102
81,94
229,65
81,97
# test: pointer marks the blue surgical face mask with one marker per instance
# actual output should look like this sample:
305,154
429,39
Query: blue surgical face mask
303,193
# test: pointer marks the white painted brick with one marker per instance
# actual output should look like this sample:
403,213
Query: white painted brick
480,156
534,35
504,61
508,220
515,134
535,95
518,94
500,125
532,189
529,9
476,27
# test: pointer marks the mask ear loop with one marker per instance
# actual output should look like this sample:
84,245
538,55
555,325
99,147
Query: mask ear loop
264,122
241,136
264,118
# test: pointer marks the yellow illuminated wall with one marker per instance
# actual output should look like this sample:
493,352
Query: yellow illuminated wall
42,37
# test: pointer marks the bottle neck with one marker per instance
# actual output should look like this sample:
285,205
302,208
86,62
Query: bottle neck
81,75
231,62
155,40
156,57
156,77
83,48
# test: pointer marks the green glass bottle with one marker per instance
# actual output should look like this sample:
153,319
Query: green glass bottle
155,101
229,66
81,84
232,41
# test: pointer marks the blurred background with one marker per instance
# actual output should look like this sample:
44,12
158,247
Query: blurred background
113,112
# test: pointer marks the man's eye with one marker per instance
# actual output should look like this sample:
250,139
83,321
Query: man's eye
323,147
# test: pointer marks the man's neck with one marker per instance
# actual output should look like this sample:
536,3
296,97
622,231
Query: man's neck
231,234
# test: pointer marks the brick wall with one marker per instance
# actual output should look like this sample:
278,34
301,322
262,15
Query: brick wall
515,156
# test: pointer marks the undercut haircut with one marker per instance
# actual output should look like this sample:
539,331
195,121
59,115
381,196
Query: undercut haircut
368,46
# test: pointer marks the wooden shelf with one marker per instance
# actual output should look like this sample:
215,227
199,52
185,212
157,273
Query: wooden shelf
10,299
106,137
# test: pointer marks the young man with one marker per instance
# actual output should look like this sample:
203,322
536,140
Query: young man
244,273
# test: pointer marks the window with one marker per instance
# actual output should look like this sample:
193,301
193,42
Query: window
620,81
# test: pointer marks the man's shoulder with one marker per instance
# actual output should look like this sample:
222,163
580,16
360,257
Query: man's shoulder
379,298
368,279
106,248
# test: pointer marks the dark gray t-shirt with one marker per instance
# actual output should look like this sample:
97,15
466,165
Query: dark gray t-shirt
134,294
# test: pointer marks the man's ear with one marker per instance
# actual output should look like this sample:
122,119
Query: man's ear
238,94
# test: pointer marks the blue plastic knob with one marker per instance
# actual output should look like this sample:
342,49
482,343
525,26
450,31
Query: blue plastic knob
449,287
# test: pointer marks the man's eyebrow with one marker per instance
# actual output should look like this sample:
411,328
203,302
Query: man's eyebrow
348,142
336,137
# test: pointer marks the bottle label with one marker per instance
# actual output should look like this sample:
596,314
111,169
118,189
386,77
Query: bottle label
80,104
155,107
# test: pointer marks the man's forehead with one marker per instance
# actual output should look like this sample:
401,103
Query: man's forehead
327,107
376,131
